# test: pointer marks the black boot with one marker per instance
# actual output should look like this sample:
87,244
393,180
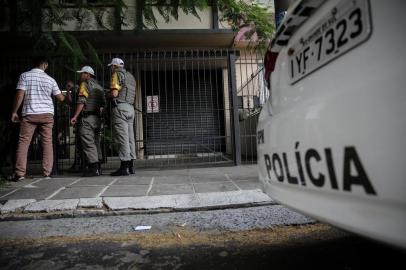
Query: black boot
92,170
123,170
99,168
131,166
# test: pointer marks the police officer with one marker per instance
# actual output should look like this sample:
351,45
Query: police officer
90,105
122,94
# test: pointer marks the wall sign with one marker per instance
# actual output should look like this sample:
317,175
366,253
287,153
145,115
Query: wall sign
152,104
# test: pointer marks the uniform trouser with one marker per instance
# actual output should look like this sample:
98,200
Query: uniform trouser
90,138
29,123
123,122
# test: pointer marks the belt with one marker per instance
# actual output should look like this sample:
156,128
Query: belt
86,114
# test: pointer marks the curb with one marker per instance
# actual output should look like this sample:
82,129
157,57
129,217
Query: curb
49,209
81,213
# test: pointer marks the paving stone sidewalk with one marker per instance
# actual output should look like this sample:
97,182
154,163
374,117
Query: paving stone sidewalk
146,190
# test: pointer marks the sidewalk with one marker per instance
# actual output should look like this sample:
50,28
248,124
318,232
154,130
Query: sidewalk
147,190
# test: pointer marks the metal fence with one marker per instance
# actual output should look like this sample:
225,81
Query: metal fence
193,107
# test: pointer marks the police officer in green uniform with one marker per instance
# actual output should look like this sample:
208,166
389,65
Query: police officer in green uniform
122,94
90,105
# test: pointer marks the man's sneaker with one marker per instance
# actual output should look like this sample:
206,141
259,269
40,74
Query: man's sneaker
17,178
46,177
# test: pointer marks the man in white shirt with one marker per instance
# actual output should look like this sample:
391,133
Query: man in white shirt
35,89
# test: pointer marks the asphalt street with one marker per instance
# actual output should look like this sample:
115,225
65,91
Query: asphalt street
245,238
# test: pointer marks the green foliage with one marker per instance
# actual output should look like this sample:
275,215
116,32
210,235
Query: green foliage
93,57
77,49
240,13
64,44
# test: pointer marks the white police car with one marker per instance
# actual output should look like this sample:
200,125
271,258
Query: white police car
332,136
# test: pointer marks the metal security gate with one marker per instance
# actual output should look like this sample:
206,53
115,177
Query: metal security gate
184,108
185,113
193,107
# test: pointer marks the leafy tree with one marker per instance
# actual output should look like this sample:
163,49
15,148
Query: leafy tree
240,13
237,13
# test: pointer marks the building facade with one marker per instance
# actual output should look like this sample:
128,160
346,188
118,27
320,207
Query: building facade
199,87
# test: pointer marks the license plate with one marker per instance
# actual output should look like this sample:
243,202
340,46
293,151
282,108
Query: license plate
346,25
